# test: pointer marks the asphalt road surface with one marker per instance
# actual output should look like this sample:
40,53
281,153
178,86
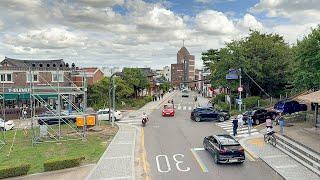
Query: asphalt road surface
175,151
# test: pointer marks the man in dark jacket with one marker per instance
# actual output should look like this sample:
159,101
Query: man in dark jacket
235,126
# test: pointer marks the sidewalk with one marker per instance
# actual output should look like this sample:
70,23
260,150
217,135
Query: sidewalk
287,167
118,161
303,133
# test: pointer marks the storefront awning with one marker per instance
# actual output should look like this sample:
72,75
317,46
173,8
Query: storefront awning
26,96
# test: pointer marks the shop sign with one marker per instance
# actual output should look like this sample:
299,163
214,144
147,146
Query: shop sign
18,90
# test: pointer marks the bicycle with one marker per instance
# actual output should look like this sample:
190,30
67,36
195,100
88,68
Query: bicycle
270,138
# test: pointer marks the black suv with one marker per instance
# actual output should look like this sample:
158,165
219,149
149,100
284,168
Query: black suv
208,114
224,148
259,115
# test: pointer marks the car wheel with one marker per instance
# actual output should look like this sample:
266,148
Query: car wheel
221,118
198,119
257,122
215,158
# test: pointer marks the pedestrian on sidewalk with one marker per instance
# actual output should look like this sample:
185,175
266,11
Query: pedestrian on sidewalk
235,126
25,114
281,123
249,122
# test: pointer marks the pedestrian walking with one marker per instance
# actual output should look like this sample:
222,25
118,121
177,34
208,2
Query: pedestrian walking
25,114
249,123
235,126
281,123
240,120
161,95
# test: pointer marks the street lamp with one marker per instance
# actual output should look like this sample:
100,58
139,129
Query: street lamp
113,96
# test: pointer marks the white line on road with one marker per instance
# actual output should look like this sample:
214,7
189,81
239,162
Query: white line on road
179,107
246,135
121,177
242,131
190,108
184,107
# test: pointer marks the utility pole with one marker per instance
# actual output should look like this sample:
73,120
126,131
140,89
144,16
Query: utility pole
113,103
240,100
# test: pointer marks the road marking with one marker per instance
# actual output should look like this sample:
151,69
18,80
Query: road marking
132,120
184,107
144,154
286,166
245,135
179,107
190,108
120,177
198,160
249,155
167,162
242,131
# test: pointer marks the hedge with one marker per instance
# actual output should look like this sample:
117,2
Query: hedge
13,171
251,102
62,163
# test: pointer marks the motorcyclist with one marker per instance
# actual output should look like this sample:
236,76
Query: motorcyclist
145,116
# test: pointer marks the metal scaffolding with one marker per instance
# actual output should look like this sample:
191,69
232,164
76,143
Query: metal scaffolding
63,93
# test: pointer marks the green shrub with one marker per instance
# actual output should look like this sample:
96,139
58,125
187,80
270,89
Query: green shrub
222,106
219,98
13,171
61,163
251,102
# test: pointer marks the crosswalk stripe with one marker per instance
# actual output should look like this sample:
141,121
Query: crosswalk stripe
190,108
246,135
225,122
184,107
242,131
226,126
179,107
239,129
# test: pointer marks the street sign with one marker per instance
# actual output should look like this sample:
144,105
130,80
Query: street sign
240,89
232,74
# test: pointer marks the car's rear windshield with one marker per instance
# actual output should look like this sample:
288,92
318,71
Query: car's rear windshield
231,147
227,141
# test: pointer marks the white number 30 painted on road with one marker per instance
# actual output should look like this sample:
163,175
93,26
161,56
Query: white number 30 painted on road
168,168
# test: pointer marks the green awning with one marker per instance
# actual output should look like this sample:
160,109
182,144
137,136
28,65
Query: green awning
26,96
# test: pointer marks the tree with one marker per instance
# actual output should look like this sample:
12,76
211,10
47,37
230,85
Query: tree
307,65
135,79
264,57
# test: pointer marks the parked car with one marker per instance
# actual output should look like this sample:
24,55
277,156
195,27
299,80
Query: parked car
51,118
289,107
207,114
168,110
185,93
259,115
103,115
224,149
6,125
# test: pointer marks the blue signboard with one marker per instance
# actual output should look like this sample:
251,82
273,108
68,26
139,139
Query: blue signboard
233,74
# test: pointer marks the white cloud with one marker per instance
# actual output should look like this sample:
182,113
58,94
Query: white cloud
250,22
101,3
1,25
47,38
214,22
299,11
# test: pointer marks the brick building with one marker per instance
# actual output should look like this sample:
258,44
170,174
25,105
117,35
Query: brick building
92,75
18,76
183,73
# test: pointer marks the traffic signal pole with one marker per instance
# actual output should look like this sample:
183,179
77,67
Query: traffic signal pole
240,100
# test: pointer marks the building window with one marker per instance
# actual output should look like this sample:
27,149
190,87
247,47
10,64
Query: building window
57,77
34,78
6,77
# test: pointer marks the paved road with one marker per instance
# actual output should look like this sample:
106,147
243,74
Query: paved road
174,149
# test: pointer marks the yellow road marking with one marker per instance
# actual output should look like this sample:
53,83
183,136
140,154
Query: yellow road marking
203,168
144,159
249,155
257,142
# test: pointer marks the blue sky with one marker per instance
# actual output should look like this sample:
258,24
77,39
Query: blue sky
142,32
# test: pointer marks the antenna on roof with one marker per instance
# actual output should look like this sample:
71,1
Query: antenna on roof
183,42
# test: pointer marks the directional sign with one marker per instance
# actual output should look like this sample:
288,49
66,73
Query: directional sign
240,89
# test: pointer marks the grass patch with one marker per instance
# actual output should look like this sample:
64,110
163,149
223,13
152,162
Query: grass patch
23,151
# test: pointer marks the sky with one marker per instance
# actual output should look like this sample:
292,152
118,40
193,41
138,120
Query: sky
142,33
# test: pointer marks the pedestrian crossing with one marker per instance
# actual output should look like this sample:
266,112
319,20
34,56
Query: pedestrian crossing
183,107
241,131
